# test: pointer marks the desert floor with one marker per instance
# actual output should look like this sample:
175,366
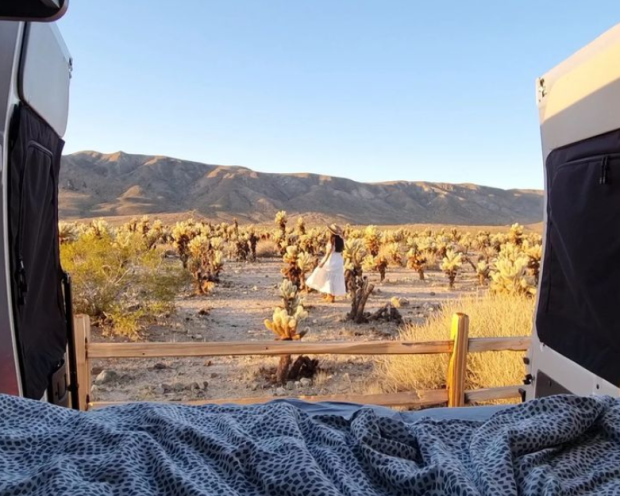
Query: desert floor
236,310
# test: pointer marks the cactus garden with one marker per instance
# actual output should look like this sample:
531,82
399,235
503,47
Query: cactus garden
201,281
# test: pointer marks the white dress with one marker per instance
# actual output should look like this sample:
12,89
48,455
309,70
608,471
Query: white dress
330,278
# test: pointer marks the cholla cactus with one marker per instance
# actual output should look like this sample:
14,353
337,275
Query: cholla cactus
483,271
291,270
144,225
441,247
281,220
511,277
154,234
534,256
285,326
451,265
182,234
378,264
98,228
306,264
353,255
290,296
515,234
498,241
67,233
416,261
205,263
482,240
253,239
241,247
301,226
395,254
372,239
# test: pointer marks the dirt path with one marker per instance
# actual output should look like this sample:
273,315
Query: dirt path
236,310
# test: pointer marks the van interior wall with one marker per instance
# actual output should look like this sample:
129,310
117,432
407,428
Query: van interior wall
36,283
579,299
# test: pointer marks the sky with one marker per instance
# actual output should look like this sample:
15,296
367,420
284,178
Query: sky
373,90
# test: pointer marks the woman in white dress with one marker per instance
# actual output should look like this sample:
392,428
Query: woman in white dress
328,277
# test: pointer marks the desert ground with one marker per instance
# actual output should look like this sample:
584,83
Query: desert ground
235,311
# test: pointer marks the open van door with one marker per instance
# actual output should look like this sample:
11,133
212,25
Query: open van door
35,70
576,341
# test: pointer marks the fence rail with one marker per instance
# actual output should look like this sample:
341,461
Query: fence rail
459,346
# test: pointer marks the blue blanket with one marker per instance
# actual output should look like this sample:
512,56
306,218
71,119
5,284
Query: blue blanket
557,445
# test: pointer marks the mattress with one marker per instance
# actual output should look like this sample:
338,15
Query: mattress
554,445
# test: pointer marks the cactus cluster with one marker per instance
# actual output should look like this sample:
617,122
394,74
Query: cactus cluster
206,262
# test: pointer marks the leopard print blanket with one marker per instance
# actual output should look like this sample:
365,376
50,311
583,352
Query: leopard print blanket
551,446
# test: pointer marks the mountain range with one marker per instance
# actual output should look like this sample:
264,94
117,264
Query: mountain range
94,184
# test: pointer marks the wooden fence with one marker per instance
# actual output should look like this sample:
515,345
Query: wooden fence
455,394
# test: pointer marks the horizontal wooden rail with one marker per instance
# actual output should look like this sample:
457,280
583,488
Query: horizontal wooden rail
415,398
424,398
239,348
477,345
488,394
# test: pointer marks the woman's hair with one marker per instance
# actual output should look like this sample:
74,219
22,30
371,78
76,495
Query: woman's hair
337,243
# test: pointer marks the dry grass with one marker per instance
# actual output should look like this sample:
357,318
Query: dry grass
490,316
267,249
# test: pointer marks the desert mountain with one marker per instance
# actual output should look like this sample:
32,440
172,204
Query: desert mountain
93,184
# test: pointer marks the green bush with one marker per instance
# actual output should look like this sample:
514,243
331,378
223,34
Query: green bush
121,283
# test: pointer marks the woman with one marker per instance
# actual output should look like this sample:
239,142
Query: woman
328,277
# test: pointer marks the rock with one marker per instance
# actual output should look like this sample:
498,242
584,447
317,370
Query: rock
205,385
208,363
255,288
197,336
106,377
254,387
166,388
204,311
159,391
280,392
305,382
95,389
433,293
214,375
96,371
398,302
178,387
160,366
290,385
194,386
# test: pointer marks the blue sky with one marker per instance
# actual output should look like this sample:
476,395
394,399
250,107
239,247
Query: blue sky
374,90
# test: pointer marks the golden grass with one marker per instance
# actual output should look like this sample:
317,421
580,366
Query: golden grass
489,316
267,249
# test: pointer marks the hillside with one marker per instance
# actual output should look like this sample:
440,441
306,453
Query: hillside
93,184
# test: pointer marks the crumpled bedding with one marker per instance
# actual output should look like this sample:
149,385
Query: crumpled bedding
555,445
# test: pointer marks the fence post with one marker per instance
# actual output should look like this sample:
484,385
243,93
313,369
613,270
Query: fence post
82,337
458,361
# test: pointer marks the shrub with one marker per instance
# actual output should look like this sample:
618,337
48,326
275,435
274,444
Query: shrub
119,282
490,316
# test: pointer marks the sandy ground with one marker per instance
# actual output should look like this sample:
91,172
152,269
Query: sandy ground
236,310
